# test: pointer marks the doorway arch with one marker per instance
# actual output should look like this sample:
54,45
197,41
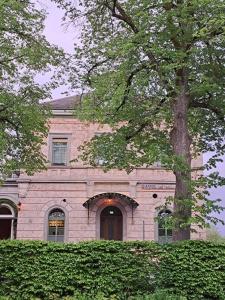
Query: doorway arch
96,204
111,224
7,221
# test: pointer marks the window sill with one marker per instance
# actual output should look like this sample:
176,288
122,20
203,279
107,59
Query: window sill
59,167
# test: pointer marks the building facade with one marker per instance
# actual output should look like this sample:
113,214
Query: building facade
71,202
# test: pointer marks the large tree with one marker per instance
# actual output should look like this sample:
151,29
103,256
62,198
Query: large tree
24,53
154,70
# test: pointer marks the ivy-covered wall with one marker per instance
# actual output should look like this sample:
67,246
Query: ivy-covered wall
42,270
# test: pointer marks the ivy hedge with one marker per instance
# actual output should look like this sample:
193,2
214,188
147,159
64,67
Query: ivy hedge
119,270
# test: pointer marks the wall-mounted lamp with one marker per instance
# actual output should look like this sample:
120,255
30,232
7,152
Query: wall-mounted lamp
19,205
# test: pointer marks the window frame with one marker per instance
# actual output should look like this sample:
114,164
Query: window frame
168,238
100,161
58,136
64,227
157,164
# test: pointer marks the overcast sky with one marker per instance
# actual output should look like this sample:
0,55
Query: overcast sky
66,37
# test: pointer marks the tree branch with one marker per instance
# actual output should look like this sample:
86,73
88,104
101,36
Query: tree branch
206,105
11,59
125,17
122,15
7,120
97,64
145,124
129,83
134,133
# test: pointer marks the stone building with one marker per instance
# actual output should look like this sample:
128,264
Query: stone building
71,202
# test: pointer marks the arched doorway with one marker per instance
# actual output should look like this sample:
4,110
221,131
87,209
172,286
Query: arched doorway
6,222
110,210
111,224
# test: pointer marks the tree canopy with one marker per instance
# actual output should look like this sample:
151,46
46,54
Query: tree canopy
24,54
154,71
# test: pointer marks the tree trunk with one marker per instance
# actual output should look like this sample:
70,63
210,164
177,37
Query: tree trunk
181,142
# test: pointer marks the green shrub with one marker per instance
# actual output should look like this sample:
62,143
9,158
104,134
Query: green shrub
195,269
45,270
111,270
156,296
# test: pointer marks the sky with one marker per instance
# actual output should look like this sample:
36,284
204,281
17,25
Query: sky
65,37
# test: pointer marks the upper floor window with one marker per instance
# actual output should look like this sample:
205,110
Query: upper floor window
59,151
164,230
157,164
56,225
100,161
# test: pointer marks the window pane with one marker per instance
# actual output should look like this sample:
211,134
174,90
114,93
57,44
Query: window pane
51,238
169,239
52,230
59,153
60,231
162,232
169,232
60,238
56,214
100,161
162,239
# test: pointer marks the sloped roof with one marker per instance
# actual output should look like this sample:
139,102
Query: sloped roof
93,200
67,103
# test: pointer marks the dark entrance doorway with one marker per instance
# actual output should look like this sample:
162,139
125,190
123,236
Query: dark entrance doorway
5,223
111,224
5,229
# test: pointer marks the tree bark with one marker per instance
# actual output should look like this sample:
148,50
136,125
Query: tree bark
181,143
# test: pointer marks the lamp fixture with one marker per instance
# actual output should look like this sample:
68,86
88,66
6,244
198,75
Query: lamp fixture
19,205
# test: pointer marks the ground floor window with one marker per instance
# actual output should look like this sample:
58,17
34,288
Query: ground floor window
7,222
56,225
164,232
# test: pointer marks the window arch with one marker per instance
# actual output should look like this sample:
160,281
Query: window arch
56,225
164,232
5,211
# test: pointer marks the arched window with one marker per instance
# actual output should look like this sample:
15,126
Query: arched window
7,222
164,232
56,225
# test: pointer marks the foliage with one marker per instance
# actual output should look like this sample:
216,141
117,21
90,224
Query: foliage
195,269
213,235
160,295
25,53
154,71
112,270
